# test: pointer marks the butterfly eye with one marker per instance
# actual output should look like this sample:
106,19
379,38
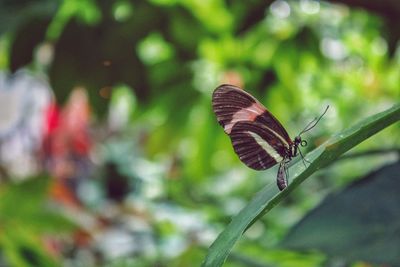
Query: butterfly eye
303,143
297,140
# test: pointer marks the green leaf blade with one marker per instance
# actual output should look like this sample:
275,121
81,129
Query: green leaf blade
269,196
352,225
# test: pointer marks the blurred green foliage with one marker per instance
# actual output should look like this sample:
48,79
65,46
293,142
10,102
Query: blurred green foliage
338,217
26,217
150,67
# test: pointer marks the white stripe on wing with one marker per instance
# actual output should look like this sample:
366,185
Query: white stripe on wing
269,149
244,114
250,114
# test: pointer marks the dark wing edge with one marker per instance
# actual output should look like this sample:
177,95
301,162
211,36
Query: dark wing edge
232,104
228,100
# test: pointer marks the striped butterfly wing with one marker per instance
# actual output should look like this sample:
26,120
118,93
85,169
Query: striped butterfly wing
256,145
237,112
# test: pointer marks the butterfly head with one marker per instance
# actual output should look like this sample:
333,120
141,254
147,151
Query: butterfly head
299,142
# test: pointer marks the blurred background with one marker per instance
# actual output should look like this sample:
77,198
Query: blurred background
110,154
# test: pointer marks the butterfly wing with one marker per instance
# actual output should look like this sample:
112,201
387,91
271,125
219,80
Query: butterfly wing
256,145
232,105
257,136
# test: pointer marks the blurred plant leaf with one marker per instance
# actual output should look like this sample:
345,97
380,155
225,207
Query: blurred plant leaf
25,219
13,13
27,22
26,202
98,62
26,39
22,248
269,196
361,223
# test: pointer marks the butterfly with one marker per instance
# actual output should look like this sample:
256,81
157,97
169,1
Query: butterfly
258,138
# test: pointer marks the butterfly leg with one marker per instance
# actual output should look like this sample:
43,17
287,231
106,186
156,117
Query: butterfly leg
304,159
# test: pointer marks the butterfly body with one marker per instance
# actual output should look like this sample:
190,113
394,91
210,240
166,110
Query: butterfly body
258,138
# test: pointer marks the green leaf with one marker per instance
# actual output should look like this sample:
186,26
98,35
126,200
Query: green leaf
269,196
15,13
25,218
31,196
353,226
22,248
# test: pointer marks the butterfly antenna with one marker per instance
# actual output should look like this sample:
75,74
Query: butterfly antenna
314,122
